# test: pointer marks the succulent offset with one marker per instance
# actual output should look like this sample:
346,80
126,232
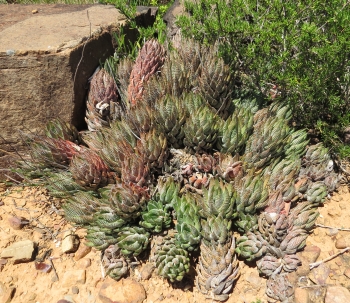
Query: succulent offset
173,146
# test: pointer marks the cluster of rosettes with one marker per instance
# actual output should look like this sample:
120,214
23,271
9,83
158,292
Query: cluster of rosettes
174,154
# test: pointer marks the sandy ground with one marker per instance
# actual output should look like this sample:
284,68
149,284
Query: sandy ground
47,225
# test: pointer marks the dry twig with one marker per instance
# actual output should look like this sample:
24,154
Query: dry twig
315,264
53,268
331,227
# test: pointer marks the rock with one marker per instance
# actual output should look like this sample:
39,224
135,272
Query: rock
311,253
82,251
332,232
46,60
145,15
304,269
122,291
175,10
70,242
301,295
72,277
343,242
319,274
84,263
75,290
6,293
18,223
146,271
21,251
337,294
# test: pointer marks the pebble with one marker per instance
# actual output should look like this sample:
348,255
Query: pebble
54,278
75,290
337,294
82,251
122,291
304,269
332,232
319,274
17,223
72,277
343,242
146,271
311,253
21,251
70,242
84,263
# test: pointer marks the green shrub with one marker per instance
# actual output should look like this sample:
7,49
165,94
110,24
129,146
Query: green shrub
301,46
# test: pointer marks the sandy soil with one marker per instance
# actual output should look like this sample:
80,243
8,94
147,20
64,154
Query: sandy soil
47,225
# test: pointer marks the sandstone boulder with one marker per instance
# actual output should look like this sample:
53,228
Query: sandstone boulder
46,60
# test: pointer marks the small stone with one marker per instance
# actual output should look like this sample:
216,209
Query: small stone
82,251
72,277
337,294
347,272
75,290
304,269
301,295
54,278
343,242
146,271
84,263
319,274
311,253
18,223
122,291
70,242
34,11
21,251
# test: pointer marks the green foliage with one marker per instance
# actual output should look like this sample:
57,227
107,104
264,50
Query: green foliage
128,8
302,47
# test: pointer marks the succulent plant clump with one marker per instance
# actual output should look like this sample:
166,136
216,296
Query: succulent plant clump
175,151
